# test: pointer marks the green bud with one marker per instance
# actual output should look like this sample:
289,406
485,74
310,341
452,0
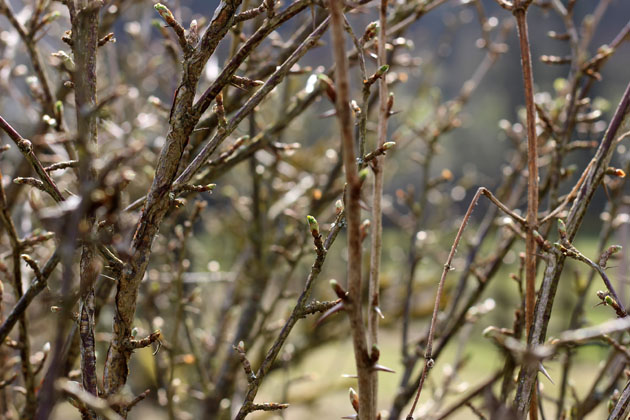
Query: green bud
613,249
372,26
51,17
363,173
562,228
134,332
58,107
62,55
609,300
312,224
338,206
382,70
605,50
559,247
161,8
324,78
375,353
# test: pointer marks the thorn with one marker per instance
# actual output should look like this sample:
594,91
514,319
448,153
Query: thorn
379,312
338,307
542,370
385,368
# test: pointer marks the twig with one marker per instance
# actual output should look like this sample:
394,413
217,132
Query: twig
428,354
92,402
270,84
36,287
322,248
26,148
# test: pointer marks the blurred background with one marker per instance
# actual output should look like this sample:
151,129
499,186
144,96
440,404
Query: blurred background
433,60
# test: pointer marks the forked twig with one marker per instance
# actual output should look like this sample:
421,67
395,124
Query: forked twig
428,354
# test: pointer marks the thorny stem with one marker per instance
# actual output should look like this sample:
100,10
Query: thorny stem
520,13
377,197
353,215
428,354
618,125
621,409
407,389
612,208
297,313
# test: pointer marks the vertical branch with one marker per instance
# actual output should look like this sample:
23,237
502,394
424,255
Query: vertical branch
619,124
158,198
520,13
85,40
85,45
377,196
362,359
532,164
25,348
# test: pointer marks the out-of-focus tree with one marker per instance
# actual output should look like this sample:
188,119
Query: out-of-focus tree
184,182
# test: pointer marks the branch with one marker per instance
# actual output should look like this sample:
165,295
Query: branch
249,106
36,287
619,124
298,311
353,216
170,20
26,147
158,198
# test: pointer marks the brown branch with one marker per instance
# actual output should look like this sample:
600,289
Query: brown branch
91,402
353,215
26,148
170,20
158,201
28,37
248,107
428,354
618,125
25,349
298,312
374,311
31,293
519,9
